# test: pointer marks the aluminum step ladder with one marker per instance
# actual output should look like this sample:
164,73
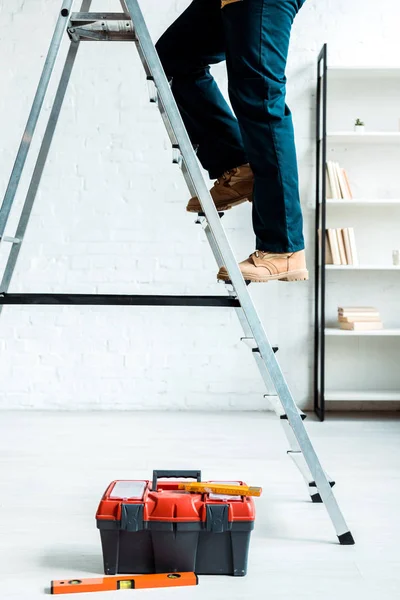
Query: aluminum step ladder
130,25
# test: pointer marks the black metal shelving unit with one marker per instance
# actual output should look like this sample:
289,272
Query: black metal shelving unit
320,225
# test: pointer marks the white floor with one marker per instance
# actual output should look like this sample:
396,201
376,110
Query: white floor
55,467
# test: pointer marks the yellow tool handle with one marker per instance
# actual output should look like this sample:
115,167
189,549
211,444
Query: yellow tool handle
203,487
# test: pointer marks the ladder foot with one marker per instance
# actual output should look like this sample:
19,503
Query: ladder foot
346,539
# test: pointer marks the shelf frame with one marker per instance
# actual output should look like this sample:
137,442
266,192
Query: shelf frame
337,332
340,73
320,225
369,137
362,267
362,396
363,202
323,138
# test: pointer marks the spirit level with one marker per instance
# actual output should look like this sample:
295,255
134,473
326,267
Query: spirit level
123,582
204,487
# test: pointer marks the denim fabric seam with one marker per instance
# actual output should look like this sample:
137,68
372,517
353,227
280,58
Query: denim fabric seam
273,135
260,46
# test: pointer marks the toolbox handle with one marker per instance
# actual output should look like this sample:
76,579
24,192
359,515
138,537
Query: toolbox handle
183,474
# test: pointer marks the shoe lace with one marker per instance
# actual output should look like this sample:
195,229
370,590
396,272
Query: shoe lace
227,176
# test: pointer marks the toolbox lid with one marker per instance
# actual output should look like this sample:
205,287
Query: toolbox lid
169,504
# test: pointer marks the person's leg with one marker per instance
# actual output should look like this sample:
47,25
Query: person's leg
187,49
257,36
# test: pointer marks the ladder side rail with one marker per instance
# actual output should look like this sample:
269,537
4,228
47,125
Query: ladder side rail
34,114
38,170
40,162
124,6
241,315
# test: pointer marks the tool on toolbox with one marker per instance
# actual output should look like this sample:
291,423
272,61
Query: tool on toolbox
128,582
130,26
204,487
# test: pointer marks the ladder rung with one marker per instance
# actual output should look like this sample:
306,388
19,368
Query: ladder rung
12,240
314,485
274,348
279,410
101,27
314,493
302,415
177,157
202,220
120,300
83,18
151,87
249,341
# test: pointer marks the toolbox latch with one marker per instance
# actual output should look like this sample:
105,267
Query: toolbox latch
132,517
217,518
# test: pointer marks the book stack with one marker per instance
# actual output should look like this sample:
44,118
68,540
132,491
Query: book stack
337,182
359,318
340,247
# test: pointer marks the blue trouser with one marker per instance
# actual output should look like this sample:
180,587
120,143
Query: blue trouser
253,36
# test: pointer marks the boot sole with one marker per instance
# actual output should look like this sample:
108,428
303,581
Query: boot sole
300,275
222,207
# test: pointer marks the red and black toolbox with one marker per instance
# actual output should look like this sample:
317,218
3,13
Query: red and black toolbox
153,527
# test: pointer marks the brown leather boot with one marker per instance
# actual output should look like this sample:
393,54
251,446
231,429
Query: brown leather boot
268,266
232,188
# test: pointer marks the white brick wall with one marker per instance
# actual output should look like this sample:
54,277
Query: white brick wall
110,218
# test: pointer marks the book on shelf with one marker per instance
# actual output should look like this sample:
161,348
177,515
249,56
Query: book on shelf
358,309
334,246
347,184
362,326
342,251
359,318
340,247
332,181
328,253
356,318
353,247
342,183
337,182
329,192
347,246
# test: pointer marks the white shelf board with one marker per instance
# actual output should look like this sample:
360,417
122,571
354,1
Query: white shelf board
335,331
353,72
363,267
362,202
375,396
369,137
